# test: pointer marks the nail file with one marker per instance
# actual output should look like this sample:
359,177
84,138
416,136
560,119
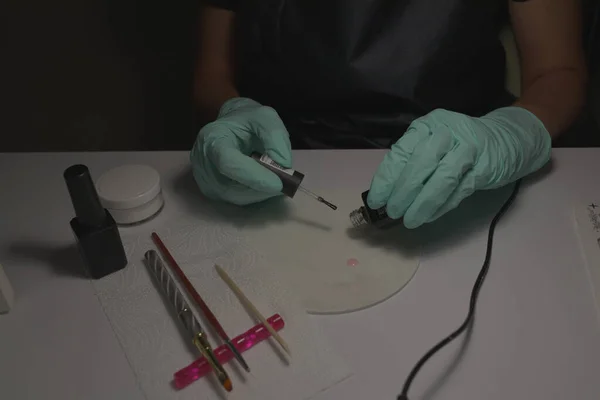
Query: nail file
7,296
587,225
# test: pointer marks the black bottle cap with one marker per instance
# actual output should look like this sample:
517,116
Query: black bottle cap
290,179
88,209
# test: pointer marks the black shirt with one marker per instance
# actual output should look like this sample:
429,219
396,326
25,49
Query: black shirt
340,71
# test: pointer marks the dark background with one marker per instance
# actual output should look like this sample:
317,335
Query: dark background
117,75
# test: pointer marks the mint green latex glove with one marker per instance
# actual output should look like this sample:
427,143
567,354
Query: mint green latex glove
220,158
445,156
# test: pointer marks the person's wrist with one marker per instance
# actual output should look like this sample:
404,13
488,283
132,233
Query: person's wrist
235,104
523,139
521,121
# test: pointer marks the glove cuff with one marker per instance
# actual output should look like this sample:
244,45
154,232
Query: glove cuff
522,117
235,104
533,144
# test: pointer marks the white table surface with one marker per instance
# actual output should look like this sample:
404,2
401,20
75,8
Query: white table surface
536,335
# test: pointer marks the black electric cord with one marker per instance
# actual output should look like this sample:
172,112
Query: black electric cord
473,300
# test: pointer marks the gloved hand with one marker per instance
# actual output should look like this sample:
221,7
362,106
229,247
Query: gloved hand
445,156
220,158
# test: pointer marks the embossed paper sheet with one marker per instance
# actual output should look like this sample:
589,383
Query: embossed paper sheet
587,219
156,346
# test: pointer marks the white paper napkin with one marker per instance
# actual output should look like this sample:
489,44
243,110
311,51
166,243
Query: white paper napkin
156,346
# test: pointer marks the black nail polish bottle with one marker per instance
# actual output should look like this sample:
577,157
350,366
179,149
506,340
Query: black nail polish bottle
95,229
365,215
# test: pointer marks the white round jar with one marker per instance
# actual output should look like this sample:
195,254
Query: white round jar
131,193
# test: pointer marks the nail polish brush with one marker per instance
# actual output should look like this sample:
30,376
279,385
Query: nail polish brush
290,178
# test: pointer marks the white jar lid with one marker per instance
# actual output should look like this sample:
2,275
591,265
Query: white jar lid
128,186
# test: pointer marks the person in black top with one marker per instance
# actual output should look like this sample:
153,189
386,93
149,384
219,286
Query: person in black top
424,78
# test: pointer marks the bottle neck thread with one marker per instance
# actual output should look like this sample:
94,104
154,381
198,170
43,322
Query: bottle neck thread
357,217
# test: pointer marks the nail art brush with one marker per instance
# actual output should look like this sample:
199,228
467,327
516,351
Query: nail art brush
198,299
185,315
